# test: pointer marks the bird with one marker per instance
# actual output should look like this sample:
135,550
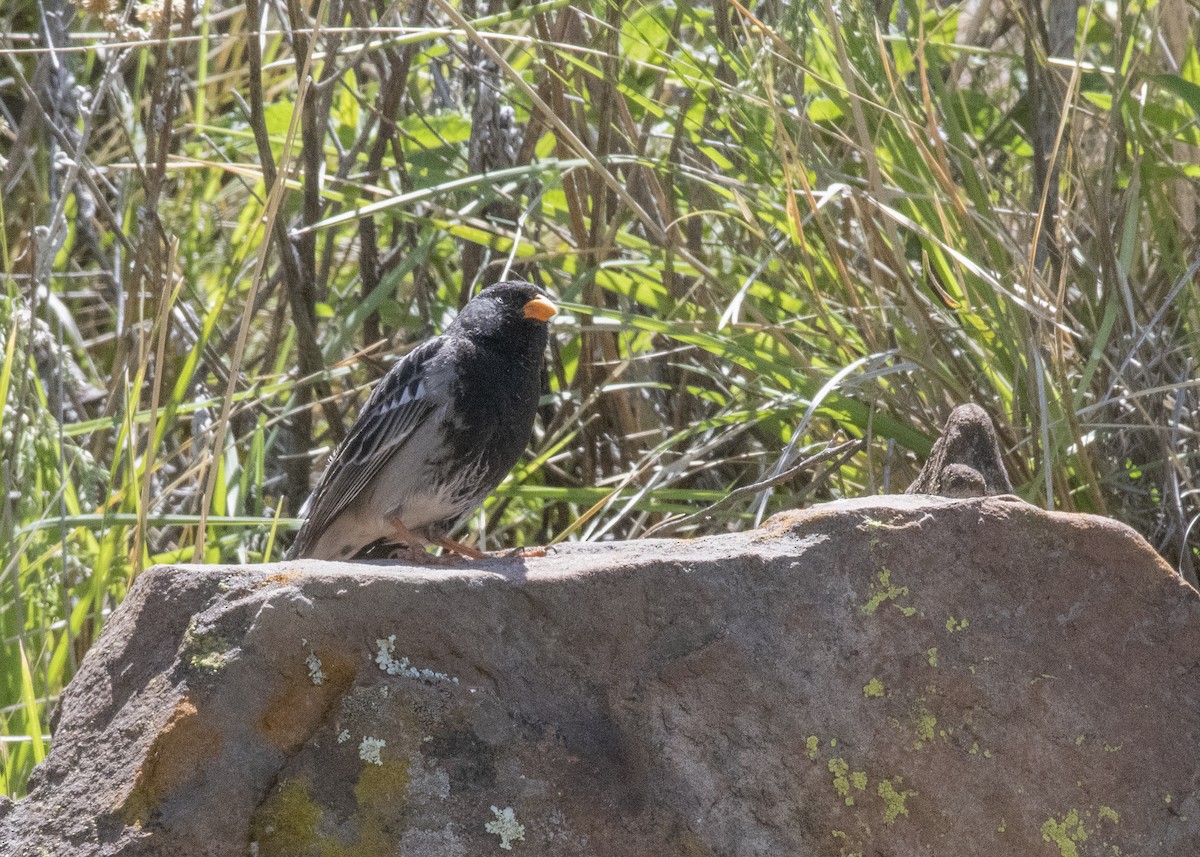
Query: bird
436,436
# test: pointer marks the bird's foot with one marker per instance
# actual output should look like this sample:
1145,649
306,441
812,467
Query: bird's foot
417,544
411,552
412,547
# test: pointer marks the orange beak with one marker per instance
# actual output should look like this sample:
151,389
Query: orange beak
541,309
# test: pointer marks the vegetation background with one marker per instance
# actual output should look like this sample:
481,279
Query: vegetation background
769,222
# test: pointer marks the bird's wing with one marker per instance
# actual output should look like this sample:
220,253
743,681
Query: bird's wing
396,408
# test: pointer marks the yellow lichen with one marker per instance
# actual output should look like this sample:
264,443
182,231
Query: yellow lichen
926,728
1066,834
873,688
382,806
841,782
1109,814
933,658
885,591
812,743
844,779
953,624
287,822
382,785
893,800
845,849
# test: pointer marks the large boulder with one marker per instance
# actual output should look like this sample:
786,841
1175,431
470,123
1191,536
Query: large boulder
900,675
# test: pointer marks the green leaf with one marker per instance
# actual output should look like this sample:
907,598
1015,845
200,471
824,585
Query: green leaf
1187,91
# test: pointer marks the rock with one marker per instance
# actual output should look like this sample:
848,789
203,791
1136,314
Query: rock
966,460
899,675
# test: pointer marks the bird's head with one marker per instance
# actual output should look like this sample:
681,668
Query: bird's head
513,313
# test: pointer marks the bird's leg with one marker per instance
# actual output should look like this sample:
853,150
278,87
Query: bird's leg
459,548
414,543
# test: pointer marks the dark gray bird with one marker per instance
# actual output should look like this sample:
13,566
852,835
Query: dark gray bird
437,434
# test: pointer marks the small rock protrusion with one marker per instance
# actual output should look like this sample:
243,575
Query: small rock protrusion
965,461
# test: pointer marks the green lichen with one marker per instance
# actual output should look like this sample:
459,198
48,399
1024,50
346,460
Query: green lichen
1107,813
953,624
884,591
206,651
933,658
873,689
506,826
211,663
893,800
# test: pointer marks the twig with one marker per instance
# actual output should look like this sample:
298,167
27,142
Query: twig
298,269
271,225
841,452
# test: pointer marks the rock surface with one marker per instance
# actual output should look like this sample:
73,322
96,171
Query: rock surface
893,676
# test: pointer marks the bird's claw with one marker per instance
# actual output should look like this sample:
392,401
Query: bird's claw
527,552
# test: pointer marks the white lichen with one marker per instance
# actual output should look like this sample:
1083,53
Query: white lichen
343,736
368,750
385,658
506,827
315,674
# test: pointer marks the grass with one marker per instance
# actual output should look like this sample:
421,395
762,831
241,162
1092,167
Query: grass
769,224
